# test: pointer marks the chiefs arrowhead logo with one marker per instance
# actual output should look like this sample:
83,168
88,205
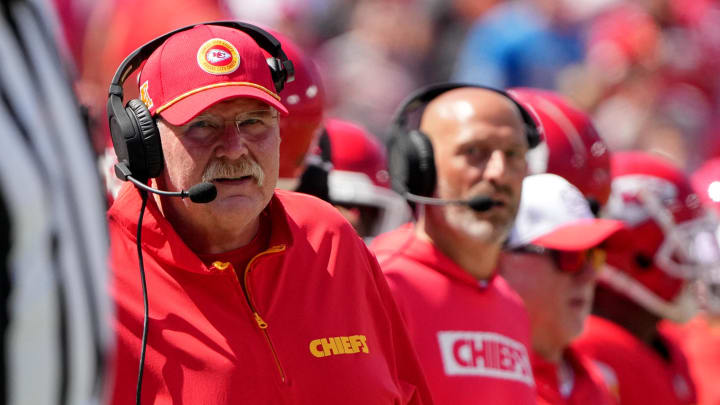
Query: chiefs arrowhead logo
218,57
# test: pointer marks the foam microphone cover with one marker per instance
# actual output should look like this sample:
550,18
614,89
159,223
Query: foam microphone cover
481,203
202,193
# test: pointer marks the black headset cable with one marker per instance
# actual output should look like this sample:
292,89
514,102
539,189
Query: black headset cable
146,318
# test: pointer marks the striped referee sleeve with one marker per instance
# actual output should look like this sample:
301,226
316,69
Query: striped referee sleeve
55,309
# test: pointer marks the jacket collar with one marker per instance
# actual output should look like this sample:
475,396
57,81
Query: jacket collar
160,239
405,242
547,372
570,356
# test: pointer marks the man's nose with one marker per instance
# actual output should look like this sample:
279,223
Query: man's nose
496,167
232,144
588,274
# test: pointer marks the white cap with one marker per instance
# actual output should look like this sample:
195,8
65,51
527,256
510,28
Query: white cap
554,214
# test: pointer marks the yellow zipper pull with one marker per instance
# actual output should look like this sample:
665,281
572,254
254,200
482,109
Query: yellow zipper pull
260,321
221,265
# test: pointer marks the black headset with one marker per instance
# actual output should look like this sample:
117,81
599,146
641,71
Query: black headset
411,162
134,132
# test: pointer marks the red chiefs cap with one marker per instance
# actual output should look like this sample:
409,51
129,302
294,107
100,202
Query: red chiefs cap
199,67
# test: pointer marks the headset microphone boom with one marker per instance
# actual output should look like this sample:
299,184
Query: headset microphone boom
478,203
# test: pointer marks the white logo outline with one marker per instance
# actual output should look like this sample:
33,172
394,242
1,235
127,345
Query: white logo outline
502,357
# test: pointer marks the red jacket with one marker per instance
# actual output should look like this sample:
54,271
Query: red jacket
472,338
315,323
636,372
588,387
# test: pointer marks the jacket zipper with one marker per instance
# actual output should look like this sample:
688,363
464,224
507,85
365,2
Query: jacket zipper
258,319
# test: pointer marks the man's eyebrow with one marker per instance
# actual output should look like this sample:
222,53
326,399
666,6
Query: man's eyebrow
259,112
206,116
201,116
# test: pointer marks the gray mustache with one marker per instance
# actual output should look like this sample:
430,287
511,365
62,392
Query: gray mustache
220,169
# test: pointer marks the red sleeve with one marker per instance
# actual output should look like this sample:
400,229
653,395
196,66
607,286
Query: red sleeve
407,367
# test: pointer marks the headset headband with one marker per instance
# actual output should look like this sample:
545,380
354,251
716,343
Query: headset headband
263,38
410,152
422,96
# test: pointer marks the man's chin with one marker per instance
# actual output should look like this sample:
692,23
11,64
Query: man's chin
233,208
488,230
241,185
242,196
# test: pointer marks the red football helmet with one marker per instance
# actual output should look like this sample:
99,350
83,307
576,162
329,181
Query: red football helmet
572,148
360,179
706,181
669,238
304,98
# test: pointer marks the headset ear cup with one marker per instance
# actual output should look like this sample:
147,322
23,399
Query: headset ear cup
148,135
120,128
397,161
411,163
422,164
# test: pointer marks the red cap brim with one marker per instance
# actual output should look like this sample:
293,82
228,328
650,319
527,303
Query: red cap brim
182,111
580,235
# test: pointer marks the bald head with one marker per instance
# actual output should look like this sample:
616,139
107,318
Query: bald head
460,107
479,145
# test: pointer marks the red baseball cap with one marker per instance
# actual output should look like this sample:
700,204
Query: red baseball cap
202,66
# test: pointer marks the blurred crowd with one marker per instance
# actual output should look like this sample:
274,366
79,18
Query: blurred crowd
644,69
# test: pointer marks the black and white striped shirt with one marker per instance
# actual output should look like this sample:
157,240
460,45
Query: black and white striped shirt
55,309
